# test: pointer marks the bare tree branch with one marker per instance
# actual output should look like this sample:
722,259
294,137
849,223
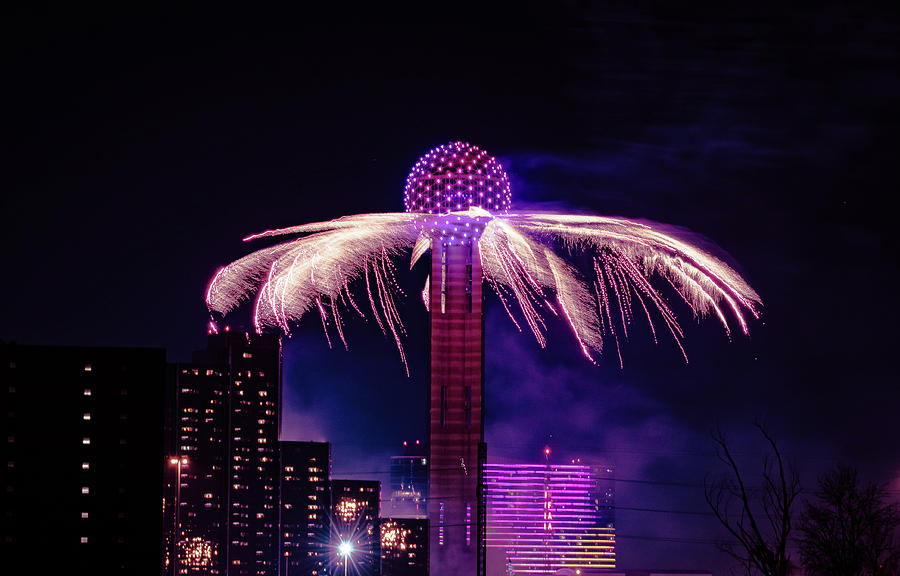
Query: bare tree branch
761,542
849,529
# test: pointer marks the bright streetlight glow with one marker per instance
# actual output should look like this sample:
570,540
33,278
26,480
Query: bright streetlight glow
345,548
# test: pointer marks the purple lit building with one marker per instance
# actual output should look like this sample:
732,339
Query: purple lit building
542,518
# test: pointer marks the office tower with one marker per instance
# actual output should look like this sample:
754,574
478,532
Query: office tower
196,474
404,546
409,482
354,515
546,517
224,471
305,508
84,459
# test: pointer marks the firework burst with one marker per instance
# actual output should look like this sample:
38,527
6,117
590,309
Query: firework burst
456,193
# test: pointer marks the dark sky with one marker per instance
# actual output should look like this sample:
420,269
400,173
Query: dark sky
142,146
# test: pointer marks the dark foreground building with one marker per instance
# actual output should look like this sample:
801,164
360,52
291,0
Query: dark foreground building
354,512
404,547
84,459
224,425
305,506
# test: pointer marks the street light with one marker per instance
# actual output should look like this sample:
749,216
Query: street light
345,548
178,463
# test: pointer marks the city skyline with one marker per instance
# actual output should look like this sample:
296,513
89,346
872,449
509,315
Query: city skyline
148,145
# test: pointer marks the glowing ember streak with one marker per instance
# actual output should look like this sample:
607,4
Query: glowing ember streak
320,264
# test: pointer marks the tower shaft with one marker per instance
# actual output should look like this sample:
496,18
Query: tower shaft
456,407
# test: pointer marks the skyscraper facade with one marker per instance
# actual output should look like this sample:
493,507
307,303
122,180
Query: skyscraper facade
226,425
546,517
409,482
354,515
456,426
404,547
305,508
84,452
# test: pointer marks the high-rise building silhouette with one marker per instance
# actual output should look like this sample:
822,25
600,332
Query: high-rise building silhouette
409,482
546,517
224,448
404,546
354,516
84,451
305,508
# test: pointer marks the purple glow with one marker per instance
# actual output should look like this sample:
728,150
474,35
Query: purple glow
545,517
455,177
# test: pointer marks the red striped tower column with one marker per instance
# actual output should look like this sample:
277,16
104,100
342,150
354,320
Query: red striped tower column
456,408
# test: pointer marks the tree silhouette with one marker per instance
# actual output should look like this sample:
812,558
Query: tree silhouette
760,535
848,530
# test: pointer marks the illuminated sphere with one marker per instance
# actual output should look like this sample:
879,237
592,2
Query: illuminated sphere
455,177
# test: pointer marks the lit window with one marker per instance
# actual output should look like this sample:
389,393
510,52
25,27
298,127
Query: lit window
86,416
85,441
85,490
87,367
84,540
85,465
84,514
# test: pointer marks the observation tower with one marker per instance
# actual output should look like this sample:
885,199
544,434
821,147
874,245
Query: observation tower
446,182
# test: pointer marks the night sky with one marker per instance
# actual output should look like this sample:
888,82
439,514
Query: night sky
142,146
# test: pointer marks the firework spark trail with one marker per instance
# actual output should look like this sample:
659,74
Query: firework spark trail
603,297
620,299
338,323
519,262
324,317
372,301
640,281
510,260
574,299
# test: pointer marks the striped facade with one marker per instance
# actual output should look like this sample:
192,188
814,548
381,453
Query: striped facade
545,517
456,426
